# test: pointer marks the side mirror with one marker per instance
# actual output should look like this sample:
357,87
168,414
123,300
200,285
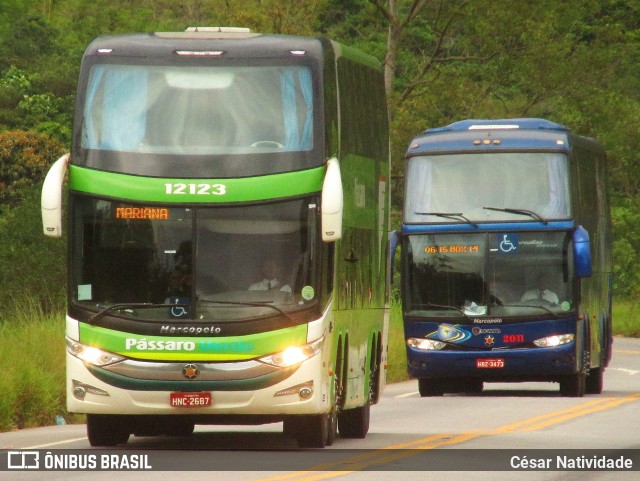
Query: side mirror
51,198
582,252
332,202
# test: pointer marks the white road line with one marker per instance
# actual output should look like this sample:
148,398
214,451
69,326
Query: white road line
42,446
409,394
626,371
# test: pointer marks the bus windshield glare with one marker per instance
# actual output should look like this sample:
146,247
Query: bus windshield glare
198,110
489,274
505,182
206,263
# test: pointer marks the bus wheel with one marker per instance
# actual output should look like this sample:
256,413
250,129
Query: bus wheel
354,423
573,385
474,386
430,387
595,380
317,430
180,428
106,430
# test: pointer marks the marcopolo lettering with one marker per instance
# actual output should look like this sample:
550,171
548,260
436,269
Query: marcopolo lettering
477,320
193,330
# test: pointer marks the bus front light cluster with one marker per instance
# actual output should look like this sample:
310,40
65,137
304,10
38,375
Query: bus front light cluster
425,344
554,341
294,355
92,355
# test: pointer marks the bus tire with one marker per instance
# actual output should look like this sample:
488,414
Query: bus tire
430,387
106,430
595,381
573,385
181,428
316,430
473,386
354,423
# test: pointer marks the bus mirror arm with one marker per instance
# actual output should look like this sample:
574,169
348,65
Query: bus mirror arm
51,198
332,202
582,252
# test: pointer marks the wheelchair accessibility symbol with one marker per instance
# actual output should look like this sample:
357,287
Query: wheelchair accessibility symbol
179,311
508,243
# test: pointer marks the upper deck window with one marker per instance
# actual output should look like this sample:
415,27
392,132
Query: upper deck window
198,110
468,183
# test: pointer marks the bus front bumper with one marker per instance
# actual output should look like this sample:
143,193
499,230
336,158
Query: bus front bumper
504,365
302,390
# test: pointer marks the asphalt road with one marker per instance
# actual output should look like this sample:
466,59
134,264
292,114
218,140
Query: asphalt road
494,436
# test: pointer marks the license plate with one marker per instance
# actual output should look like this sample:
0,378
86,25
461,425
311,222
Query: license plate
489,363
190,399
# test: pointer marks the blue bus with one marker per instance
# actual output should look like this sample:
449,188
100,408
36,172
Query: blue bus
506,257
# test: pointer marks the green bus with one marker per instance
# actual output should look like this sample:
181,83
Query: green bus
227,201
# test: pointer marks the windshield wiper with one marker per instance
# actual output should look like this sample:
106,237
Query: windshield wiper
132,305
444,306
251,304
450,215
530,213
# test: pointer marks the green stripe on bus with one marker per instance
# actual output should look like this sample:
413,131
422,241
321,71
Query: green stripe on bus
151,189
165,348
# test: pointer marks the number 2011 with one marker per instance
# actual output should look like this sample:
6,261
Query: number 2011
195,189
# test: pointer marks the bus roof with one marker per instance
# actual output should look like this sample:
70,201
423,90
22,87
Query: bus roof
484,135
499,124
221,42
204,43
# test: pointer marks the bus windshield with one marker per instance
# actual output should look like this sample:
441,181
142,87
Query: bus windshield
198,110
489,274
205,263
513,186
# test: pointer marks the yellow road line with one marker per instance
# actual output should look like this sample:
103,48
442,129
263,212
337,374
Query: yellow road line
396,452
376,457
608,404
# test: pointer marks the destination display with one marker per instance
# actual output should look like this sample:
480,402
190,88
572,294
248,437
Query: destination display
452,249
135,213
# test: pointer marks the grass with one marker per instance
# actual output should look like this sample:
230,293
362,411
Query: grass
626,318
397,355
32,378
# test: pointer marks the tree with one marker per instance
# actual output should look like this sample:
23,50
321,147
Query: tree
25,158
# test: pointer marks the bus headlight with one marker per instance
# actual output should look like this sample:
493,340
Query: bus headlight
293,355
92,355
425,344
554,341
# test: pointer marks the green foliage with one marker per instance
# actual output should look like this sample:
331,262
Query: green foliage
626,250
32,266
26,39
22,107
25,158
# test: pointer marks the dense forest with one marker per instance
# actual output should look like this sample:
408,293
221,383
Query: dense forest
576,62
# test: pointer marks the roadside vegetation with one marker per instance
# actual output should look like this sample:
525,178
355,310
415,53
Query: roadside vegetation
33,372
